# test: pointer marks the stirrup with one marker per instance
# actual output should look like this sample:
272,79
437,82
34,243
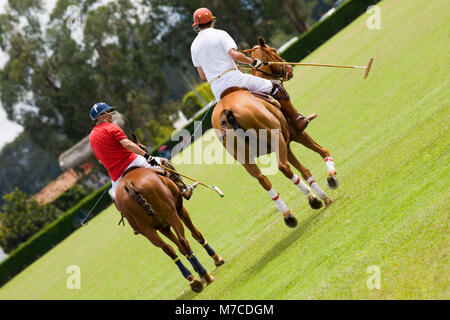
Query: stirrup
301,117
304,124
187,192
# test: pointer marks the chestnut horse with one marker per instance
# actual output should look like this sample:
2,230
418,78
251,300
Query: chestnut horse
266,53
152,202
240,109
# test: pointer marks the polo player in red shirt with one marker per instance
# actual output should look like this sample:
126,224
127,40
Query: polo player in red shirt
117,153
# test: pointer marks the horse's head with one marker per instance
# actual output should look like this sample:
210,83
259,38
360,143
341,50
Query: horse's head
266,53
134,138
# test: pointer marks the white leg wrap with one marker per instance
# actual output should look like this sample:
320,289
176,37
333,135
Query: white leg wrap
329,162
322,195
282,207
301,185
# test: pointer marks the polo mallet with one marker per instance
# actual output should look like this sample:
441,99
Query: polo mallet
215,188
366,73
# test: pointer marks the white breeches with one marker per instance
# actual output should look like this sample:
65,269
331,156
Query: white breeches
240,80
138,162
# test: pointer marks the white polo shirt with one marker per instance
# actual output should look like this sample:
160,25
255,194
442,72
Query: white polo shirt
210,51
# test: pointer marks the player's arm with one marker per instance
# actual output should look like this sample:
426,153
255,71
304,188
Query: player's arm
133,147
201,73
242,58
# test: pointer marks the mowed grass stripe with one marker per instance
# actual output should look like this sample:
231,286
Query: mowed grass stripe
389,137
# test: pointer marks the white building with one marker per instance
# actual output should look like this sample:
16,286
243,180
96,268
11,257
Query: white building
3,255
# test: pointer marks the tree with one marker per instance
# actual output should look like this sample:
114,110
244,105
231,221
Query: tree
22,217
121,52
296,14
47,83
51,79
244,20
129,61
25,165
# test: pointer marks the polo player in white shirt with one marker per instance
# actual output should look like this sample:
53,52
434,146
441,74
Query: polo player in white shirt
214,54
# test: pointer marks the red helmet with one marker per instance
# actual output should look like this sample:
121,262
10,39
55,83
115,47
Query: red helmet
202,16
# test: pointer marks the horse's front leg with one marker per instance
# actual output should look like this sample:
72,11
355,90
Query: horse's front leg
197,235
306,140
306,174
284,156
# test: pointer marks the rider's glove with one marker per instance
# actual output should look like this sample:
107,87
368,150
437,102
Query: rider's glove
256,63
151,160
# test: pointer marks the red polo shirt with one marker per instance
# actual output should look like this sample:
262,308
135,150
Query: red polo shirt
104,140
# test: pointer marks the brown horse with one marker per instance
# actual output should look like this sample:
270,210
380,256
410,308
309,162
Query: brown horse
152,202
266,53
240,109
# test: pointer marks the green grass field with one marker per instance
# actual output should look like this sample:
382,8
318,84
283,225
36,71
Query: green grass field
389,136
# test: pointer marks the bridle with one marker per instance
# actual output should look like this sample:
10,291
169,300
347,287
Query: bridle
286,72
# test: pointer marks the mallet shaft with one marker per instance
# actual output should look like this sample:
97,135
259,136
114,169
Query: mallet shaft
366,73
317,65
199,182
184,176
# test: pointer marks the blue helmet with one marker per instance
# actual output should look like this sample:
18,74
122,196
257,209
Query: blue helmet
98,109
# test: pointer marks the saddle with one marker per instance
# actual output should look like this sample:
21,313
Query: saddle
129,170
260,95
158,171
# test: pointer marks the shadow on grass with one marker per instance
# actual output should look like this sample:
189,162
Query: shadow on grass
187,295
271,254
280,247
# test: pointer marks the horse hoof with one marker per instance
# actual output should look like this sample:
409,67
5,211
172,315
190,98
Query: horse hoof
328,201
332,182
315,203
207,278
218,260
196,285
290,220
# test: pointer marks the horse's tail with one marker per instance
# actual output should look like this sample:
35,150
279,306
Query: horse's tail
231,119
134,193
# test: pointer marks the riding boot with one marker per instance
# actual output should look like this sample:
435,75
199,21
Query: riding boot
299,121
186,191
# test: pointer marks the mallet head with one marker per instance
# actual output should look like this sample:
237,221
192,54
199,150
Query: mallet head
219,192
368,67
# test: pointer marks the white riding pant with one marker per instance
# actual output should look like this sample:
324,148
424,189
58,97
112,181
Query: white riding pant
238,79
141,162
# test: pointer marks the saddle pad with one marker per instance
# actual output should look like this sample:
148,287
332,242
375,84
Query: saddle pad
266,97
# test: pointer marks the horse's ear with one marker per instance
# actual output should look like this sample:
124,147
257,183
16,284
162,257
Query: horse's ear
261,41
134,137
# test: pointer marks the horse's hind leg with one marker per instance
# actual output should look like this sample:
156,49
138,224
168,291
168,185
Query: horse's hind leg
172,237
154,238
254,171
306,174
196,234
178,228
308,142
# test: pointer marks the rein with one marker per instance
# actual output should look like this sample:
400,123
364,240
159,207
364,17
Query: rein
285,73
